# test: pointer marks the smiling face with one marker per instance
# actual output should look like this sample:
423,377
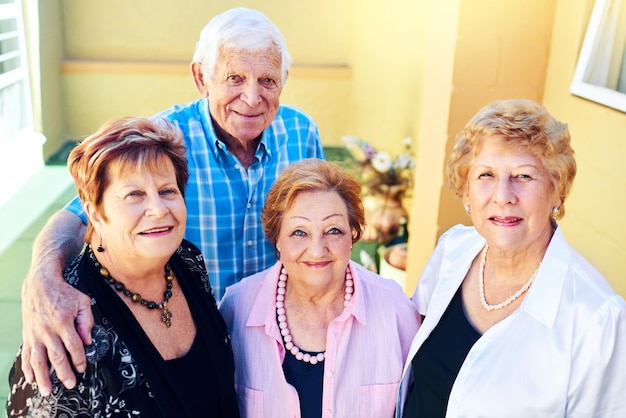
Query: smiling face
315,239
243,93
511,196
143,215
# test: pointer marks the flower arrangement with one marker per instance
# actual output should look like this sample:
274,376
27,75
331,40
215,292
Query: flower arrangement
380,173
386,180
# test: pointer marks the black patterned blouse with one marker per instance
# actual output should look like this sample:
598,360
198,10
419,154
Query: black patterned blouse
126,376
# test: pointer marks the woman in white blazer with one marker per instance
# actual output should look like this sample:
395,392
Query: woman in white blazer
516,322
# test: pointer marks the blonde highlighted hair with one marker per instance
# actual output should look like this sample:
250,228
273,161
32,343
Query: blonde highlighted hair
522,124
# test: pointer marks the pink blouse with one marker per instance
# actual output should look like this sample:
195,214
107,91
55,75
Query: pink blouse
366,348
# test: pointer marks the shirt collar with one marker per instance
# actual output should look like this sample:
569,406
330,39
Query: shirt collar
356,307
544,296
263,312
216,144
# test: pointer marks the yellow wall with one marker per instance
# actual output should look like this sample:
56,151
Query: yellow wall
385,57
438,21
493,49
595,209
44,41
131,58
485,50
356,63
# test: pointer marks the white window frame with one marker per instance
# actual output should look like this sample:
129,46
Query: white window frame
605,15
13,10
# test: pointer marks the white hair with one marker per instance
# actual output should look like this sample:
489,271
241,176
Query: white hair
240,29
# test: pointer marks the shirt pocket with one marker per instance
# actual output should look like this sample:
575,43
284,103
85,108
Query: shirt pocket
378,401
250,402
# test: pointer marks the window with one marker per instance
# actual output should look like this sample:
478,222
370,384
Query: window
15,104
600,73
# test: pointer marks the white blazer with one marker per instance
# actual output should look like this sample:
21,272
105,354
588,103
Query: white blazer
562,353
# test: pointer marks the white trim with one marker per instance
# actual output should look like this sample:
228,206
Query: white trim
579,86
11,77
8,10
18,116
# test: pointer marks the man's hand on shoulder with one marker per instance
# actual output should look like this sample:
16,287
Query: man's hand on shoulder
48,315
56,318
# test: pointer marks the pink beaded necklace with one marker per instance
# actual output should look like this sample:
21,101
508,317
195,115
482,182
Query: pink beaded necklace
281,314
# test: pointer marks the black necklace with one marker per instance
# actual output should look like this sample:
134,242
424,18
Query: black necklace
166,316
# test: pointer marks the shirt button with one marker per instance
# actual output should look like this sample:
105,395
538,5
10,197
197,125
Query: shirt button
329,373
327,412
236,166
249,243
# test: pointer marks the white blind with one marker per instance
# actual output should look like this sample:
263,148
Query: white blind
15,111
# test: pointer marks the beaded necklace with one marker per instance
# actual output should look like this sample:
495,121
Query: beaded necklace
166,316
281,315
481,285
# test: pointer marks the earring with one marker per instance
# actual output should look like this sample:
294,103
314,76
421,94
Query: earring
100,249
555,210
467,209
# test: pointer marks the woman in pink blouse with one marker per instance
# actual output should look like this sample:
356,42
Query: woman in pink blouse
317,334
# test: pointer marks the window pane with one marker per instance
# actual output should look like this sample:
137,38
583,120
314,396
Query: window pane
598,74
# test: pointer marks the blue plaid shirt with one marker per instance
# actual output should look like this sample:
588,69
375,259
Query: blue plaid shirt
224,200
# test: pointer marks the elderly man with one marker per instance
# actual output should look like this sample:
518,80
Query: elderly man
238,139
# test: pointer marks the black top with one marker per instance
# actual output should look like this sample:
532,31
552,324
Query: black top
126,375
308,381
192,373
438,361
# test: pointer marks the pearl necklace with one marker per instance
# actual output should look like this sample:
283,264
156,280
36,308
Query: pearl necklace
281,315
481,285
166,316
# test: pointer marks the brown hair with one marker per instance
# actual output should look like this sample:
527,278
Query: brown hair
121,145
312,175
525,125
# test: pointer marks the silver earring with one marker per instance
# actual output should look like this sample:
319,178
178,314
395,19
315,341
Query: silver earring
555,210
467,209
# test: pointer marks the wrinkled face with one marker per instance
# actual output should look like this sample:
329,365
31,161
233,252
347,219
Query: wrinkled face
145,214
511,196
244,92
315,239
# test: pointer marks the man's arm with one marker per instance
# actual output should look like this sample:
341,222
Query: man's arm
52,310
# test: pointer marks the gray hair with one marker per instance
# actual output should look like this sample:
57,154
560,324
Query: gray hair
240,29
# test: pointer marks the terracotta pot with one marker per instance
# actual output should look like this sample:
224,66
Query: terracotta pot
396,254
385,220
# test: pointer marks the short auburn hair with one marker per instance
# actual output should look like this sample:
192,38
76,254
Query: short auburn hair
121,145
312,175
